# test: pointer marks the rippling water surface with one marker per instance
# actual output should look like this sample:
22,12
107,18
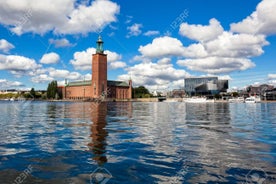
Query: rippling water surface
124,142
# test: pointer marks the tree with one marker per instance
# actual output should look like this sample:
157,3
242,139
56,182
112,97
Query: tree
32,93
52,90
141,92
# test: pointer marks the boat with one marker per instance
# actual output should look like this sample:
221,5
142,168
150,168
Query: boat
236,100
252,99
196,100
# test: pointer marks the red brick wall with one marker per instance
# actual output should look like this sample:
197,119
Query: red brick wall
78,92
99,74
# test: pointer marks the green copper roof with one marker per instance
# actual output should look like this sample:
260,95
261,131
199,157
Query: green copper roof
88,83
99,48
80,83
117,83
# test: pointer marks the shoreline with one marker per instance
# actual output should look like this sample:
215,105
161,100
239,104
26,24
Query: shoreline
168,100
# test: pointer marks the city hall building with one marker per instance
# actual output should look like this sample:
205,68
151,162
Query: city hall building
99,86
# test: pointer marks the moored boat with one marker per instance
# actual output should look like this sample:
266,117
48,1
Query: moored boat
236,100
196,100
253,99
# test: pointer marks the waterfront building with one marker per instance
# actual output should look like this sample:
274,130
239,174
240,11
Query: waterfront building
99,86
258,89
270,94
204,85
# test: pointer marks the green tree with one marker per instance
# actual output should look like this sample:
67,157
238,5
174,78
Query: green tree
235,94
32,93
52,90
141,92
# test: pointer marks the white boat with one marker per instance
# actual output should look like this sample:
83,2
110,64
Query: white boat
236,100
196,100
252,99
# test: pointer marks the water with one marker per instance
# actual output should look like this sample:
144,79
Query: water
124,142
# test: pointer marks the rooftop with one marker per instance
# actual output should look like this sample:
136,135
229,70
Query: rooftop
88,83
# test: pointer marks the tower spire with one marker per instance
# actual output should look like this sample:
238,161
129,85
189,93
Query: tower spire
99,49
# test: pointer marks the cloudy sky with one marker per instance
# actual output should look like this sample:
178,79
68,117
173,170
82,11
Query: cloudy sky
156,43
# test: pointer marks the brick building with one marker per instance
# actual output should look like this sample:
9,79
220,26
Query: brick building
99,86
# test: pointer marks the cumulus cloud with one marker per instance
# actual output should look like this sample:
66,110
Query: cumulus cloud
134,30
162,47
261,21
60,42
271,76
117,64
64,74
236,45
42,78
83,59
218,51
50,74
61,17
155,75
200,32
7,84
151,33
5,46
217,65
50,58
17,65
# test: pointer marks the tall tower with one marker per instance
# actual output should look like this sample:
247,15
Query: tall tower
99,71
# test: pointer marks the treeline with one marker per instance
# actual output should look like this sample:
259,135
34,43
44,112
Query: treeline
26,95
141,92
51,93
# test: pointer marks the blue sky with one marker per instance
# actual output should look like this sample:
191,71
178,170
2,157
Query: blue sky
156,43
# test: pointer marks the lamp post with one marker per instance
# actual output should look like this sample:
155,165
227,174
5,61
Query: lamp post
83,93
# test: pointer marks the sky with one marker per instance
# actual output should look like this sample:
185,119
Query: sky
156,43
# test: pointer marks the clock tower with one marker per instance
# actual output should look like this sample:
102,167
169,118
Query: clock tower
99,71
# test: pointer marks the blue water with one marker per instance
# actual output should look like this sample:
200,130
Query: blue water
124,142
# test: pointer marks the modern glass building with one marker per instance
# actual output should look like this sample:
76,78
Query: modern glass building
204,86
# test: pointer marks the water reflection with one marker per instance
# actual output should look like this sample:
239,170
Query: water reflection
98,132
140,142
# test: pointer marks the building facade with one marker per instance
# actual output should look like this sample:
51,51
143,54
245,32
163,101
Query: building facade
99,86
204,85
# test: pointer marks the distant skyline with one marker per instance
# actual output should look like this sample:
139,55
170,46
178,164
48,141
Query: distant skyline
156,43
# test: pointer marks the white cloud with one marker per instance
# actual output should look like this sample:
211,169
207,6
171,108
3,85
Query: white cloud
61,17
60,42
59,75
83,59
236,45
201,33
6,84
117,64
161,47
42,78
164,61
134,30
5,46
155,75
217,65
50,58
224,77
151,33
261,21
17,64
112,56
64,74
220,52
271,76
